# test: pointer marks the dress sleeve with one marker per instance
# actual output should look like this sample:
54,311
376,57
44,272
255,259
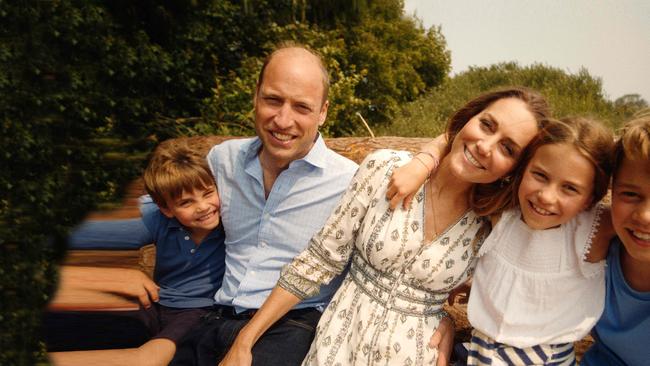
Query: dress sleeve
329,251
115,234
586,227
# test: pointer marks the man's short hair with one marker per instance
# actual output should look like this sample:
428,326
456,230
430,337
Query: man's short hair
174,167
291,44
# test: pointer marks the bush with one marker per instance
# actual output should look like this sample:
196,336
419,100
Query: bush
568,94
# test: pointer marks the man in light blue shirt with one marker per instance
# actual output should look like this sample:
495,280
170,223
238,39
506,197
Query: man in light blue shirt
277,191
263,234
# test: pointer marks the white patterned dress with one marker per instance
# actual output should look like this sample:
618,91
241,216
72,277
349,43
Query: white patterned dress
390,302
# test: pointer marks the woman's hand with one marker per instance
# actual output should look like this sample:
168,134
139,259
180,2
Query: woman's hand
238,355
443,340
279,302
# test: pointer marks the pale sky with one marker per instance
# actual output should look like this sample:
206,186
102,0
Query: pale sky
610,38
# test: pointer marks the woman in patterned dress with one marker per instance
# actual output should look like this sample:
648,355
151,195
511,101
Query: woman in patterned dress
403,262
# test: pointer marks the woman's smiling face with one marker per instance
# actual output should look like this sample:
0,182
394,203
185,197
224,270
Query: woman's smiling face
491,142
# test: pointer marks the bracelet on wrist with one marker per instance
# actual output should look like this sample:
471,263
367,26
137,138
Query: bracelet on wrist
435,160
419,159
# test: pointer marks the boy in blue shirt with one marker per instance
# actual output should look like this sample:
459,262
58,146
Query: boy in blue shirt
181,216
622,332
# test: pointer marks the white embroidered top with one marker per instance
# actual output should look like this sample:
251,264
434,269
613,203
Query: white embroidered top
533,286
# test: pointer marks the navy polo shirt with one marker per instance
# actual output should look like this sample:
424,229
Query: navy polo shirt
188,274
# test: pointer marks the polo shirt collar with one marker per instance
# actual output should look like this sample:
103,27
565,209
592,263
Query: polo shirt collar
174,223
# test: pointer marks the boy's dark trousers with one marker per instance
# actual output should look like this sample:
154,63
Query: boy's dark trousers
82,330
79,331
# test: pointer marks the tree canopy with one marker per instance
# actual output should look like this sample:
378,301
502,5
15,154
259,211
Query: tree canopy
579,94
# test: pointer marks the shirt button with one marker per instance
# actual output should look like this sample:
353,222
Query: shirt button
187,238
192,250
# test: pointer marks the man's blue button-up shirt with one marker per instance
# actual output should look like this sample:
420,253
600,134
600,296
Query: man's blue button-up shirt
262,234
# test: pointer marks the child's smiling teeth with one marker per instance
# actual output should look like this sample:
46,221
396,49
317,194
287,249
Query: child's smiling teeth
640,235
471,159
281,136
206,216
540,210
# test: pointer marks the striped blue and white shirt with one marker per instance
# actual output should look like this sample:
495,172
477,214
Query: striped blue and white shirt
262,235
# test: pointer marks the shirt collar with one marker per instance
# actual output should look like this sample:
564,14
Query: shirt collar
317,156
173,223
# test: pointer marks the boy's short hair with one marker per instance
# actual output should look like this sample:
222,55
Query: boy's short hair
634,140
174,167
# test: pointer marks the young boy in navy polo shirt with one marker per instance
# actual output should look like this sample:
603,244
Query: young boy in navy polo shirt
181,216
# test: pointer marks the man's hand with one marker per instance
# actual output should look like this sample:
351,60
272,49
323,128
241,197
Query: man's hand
238,355
443,340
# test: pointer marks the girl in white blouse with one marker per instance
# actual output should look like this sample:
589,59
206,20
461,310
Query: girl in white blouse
539,283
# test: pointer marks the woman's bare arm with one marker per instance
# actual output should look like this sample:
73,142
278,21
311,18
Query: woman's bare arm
279,302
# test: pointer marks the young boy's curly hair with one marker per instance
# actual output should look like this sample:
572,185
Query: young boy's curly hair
174,167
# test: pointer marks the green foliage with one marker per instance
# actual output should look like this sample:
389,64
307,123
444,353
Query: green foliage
231,101
378,60
398,60
569,94
628,105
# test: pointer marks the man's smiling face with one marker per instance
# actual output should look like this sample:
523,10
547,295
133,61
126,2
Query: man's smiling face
289,106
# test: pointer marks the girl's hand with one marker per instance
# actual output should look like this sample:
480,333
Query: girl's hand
405,182
462,291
